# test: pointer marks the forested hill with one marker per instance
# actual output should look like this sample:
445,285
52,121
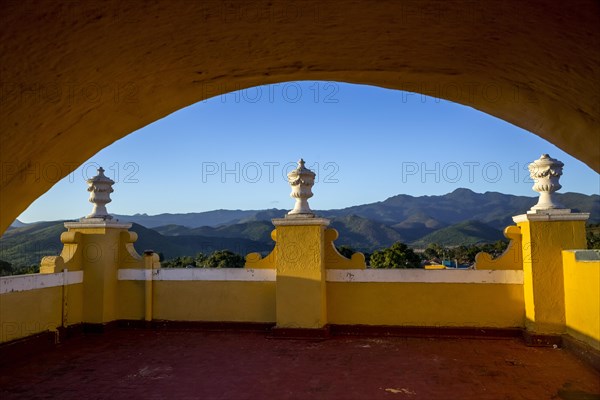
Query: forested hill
462,217
403,212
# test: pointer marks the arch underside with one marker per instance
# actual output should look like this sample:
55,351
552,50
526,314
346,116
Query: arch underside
77,77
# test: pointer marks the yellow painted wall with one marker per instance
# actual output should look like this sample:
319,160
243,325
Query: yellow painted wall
373,303
543,281
131,300
34,311
545,89
100,274
214,301
582,298
511,258
74,304
102,250
334,260
425,304
300,263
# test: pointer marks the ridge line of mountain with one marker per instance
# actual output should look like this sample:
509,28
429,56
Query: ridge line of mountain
460,217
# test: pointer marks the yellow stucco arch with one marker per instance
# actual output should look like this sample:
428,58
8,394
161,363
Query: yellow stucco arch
76,76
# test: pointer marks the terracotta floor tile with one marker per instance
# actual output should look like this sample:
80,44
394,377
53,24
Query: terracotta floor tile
139,364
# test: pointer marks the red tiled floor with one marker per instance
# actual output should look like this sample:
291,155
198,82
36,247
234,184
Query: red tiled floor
139,364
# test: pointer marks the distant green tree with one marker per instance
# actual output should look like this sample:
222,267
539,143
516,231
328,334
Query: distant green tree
397,256
168,263
5,268
26,269
200,260
179,262
495,249
464,254
224,259
367,257
433,250
218,259
188,262
346,251
593,236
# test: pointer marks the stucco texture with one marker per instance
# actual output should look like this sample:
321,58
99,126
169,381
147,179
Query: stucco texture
76,76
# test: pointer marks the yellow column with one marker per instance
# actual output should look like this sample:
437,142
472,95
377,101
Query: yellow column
544,235
104,250
300,264
151,263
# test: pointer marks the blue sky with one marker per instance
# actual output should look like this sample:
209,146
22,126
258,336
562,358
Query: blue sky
365,143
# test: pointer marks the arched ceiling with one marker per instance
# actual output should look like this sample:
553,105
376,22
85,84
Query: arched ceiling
76,76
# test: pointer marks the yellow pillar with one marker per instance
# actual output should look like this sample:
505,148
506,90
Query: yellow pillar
545,233
104,249
300,265
151,264
100,246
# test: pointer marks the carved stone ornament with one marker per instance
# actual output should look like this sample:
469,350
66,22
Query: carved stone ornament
546,172
100,188
301,180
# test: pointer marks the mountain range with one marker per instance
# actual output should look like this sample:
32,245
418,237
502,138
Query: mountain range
401,212
459,217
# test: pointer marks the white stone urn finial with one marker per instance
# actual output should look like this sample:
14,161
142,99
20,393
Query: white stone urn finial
546,172
301,180
100,188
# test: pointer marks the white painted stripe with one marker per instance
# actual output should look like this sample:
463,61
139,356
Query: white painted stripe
200,274
333,275
134,274
20,283
425,276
